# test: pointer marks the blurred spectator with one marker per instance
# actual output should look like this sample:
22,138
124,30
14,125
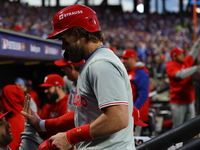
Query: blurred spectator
21,83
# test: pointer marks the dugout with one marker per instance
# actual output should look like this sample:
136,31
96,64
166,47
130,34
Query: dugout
26,56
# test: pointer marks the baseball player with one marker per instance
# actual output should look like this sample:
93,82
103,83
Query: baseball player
179,71
71,70
139,79
12,100
56,97
57,100
103,102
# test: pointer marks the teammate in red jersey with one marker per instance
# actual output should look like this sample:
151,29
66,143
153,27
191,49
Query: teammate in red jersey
179,71
57,100
56,97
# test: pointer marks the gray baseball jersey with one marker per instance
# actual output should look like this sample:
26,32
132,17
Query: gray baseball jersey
103,82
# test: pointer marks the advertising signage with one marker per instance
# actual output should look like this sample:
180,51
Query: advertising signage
29,47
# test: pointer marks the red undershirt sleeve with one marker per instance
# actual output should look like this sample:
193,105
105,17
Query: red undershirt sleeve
60,124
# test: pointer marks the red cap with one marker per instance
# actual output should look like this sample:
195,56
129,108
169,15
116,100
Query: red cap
52,80
136,116
128,53
64,62
7,114
46,145
176,51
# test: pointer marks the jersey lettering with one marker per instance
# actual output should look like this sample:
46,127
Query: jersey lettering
79,101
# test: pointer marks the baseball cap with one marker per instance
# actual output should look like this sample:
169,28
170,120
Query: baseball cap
7,114
20,81
52,80
64,62
176,51
136,116
128,53
46,145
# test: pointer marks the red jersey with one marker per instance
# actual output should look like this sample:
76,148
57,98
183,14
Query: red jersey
181,90
55,110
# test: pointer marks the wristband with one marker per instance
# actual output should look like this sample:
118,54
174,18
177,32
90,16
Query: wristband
42,125
79,134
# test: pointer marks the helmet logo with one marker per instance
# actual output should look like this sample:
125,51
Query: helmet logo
61,16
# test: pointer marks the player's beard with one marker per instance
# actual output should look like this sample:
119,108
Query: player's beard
6,138
52,98
181,61
74,52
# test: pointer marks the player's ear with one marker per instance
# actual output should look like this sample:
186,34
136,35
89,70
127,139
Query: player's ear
173,57
76,34
59,86
72,67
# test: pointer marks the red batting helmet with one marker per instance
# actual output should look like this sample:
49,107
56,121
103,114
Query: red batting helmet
72,16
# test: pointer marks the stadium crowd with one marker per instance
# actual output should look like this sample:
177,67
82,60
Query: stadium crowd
152,35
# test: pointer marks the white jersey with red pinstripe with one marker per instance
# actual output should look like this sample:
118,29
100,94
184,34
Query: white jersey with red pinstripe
103,82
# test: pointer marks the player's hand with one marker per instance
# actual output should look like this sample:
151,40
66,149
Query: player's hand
60,141
26,107
30,115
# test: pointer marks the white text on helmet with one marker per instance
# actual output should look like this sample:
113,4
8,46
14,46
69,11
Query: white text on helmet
61,16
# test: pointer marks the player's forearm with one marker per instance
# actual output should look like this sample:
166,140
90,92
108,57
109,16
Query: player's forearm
60,124
186,72
114,118
195,49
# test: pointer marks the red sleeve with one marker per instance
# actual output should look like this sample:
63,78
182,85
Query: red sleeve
61,124
172,68
188,61
44,111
